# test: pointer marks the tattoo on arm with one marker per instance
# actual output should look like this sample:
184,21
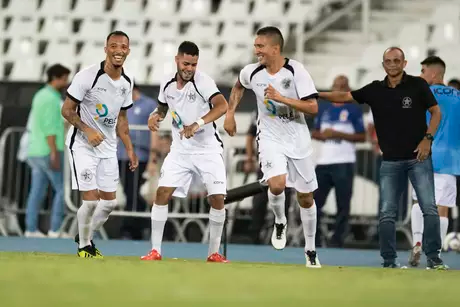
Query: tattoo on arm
69,112
162,109
123,130
235,96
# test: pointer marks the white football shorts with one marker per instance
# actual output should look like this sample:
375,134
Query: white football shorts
178,169
301,173
445,190
93,173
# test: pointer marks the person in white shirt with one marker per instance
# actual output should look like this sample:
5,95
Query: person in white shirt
195,102
285,92
96,105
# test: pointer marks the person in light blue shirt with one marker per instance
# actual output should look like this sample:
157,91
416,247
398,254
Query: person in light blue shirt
338,127
445,151
132,181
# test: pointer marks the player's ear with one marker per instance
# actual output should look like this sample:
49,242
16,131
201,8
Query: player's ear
405,63
176,58
105,49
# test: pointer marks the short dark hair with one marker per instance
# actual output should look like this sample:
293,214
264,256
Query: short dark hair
56,71
394,48
117,33
187,47
454,81
273,32
433,60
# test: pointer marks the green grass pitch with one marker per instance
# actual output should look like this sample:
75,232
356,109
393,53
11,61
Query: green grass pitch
33,279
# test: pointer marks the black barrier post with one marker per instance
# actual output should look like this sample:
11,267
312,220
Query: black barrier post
235,195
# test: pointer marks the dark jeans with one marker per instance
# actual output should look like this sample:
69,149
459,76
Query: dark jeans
132,181
393,178
340,176
259,211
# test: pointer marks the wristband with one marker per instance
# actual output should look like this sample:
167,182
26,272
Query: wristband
200,122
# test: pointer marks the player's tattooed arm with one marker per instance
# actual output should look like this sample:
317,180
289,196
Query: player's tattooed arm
235,98
162,109
69,112
308,105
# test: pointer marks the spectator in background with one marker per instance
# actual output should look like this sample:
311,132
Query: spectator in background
143,143
338,126
45,151
259,201
455,83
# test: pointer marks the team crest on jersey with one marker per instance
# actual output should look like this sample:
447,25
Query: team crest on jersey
286,83
123,91
343,116
191,97
407,103
86,175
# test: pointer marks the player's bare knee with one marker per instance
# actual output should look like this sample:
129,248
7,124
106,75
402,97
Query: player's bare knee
216,201
107,195
277,185
305,199
90,195
164,194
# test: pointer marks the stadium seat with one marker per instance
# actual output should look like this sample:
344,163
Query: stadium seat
303,11
371,57
202,30
193,9
50,8
61,51
163,29
160,9
16,8
160,68
56,27
126,9
415,33
94,28
237,31
26,69
135,28
135,62
208,55
267,10
91,53
236,54
231,9
446,20
85,8
22,25
21,48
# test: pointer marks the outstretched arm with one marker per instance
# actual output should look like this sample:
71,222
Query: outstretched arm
339,97
235,97
219,108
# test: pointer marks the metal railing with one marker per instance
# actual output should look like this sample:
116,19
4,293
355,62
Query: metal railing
15,179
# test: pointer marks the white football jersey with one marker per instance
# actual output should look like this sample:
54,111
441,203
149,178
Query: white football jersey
100,100
279,124
186,106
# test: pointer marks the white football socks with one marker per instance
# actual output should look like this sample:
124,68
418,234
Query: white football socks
101,214
159,218
216,225
416,224
444,222
308,217
84,215
276,203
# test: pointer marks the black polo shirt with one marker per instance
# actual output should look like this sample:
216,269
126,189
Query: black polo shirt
399,114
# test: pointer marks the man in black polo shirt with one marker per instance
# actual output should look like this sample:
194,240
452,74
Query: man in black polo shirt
399,104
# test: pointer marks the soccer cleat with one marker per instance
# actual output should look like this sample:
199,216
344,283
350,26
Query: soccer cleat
86,252
392,265
436,264
415,254
216,257
312,260
279,236
97,252
152,255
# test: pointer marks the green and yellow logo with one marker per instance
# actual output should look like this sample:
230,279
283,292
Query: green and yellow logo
101,110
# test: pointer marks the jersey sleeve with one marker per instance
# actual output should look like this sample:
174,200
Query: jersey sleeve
428,98
207,88
128,103
245,76
161,94
364,94
304,84
79,87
